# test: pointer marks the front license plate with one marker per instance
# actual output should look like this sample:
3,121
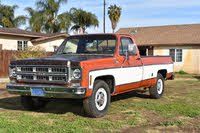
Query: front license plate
37,92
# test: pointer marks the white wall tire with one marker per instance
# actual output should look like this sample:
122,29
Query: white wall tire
157,91
97,104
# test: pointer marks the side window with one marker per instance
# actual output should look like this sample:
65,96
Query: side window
124,42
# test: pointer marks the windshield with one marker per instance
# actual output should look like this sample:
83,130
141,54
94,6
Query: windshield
88,44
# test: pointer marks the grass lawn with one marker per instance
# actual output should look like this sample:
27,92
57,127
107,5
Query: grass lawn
177,111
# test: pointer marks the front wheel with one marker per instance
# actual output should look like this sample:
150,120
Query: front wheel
97,104
157,91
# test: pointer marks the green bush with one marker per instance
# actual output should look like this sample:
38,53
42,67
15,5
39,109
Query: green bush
31,52
181,72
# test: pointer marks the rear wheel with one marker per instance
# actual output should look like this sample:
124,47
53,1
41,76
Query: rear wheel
157,90
97,104
33,103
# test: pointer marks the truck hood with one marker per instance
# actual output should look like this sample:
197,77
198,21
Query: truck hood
58,59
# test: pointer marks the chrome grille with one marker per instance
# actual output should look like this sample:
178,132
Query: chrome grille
26,69
42,69
46,78
27,77
42,74
60,70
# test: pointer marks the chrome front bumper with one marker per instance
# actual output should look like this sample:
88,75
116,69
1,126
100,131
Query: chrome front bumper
50,91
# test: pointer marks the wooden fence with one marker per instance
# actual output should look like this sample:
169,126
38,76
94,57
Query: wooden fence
5,57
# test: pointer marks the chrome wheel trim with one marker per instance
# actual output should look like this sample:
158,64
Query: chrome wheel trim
101,99
159,86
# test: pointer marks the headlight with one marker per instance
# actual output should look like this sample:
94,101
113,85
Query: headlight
12,71
76,74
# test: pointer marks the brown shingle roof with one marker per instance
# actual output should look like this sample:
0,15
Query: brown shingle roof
19,32
36,36
49,37
165,35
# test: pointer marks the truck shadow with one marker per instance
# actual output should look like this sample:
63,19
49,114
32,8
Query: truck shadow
62,106
124,96
197,77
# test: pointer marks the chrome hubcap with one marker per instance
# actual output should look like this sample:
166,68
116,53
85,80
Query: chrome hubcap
160,86
101,99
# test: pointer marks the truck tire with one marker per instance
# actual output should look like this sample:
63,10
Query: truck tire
97,104
32,103
157,91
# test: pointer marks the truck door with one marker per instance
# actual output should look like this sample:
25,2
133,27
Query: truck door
131,67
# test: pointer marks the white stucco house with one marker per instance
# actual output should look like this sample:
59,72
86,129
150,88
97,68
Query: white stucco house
17,39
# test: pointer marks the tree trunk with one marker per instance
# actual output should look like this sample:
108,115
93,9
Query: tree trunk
80,30
113,26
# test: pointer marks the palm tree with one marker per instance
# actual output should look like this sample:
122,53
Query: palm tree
35,20
51,21
114,13
54,22
8,19
82,20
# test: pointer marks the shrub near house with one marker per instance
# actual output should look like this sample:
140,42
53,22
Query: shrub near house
31,52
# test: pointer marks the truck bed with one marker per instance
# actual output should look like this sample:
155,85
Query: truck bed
156,60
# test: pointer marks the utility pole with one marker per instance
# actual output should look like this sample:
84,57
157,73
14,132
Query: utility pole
104,16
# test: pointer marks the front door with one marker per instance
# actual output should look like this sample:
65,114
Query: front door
131,68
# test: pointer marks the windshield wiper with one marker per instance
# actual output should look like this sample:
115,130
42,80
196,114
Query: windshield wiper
65,53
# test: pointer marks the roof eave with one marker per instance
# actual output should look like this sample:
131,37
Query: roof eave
17,34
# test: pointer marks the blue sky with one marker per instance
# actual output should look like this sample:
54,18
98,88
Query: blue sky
134,12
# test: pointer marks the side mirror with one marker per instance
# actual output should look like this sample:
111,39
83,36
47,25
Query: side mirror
55,48
132,49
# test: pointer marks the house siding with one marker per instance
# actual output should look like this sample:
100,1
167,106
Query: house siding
10,42
49,45
191,57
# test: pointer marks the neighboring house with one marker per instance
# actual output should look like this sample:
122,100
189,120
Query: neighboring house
17,39
181,42
50,43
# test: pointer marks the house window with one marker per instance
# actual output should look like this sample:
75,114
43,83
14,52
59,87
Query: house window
25,45
19,45
22,45
176,54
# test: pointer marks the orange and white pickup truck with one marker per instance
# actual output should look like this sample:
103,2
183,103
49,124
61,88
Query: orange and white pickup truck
90,67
